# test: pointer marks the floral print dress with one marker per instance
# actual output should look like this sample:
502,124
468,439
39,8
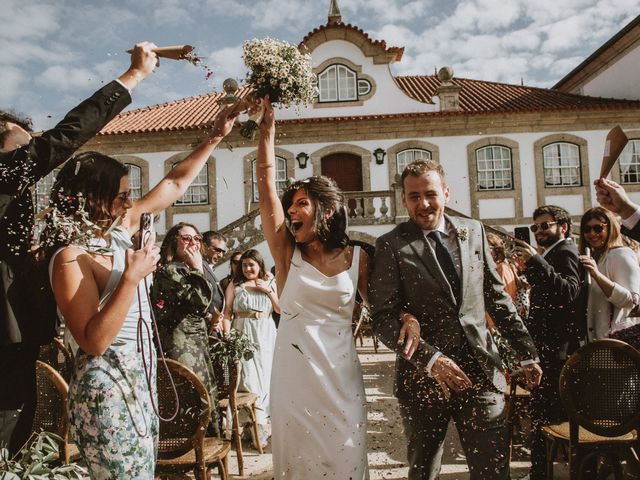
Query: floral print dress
111,417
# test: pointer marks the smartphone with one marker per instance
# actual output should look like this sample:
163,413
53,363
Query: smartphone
146,229
522,233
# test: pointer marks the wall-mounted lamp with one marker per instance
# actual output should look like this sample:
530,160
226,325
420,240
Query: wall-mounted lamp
302,159
379,153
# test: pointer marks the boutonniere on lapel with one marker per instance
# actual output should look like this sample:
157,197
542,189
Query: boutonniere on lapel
463,233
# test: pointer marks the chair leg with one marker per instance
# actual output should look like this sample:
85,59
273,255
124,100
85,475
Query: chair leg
222,468
235,434
252,411
375,343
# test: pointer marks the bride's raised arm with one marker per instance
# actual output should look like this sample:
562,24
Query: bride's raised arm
176,182
280,241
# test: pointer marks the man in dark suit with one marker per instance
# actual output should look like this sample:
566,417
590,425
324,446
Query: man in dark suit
214,246
23,161
433,277
613,197
557,316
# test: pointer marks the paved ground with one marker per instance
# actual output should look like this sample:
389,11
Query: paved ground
386,440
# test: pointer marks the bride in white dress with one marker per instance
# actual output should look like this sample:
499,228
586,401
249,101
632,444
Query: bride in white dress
318,414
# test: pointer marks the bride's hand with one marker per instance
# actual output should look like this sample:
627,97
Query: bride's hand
267,126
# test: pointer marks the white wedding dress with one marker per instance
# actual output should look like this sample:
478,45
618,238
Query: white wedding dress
318,402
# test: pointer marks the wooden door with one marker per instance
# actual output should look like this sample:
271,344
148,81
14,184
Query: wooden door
346,170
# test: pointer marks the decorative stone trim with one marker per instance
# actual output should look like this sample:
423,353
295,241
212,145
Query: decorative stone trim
365,155
542,189
615,172
211,208
359,76
248,177
392,155
476,196
144,169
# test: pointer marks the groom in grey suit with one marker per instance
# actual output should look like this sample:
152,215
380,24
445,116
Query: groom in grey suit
432,280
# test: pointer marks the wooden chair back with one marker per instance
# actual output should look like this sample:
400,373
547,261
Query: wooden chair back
51,406
600,388
187,429
59,357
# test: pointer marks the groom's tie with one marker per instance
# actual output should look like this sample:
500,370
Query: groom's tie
446,263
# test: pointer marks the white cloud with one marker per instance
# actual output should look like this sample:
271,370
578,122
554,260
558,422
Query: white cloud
10,82
226,63
64,79
23,21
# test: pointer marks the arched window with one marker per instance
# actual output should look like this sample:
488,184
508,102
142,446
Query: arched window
561,165
281,177
494,168
405,157
43,189
338,83
198,191
630,163
135,181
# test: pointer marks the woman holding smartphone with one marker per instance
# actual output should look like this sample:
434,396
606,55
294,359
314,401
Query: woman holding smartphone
100,286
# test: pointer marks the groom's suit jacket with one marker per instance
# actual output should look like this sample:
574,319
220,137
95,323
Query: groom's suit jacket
406,277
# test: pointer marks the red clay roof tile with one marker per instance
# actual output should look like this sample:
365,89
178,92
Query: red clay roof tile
477,97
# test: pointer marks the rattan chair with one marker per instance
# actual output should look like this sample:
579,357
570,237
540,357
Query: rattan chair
59,357
183,445
51,409
600,390
230,399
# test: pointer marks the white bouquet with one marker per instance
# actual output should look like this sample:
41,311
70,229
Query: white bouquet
280,70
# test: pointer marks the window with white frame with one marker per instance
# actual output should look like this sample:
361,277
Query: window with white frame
43,189
494,168
198,191
405,157
337,83
630,163
281,177
561,165
135,181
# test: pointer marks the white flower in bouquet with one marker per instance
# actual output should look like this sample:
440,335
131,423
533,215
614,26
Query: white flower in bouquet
280,70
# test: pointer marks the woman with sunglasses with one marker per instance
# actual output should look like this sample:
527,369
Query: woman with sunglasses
250,301
181,296
614,271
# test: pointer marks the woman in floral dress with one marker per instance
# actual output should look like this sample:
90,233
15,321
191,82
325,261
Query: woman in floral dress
100,286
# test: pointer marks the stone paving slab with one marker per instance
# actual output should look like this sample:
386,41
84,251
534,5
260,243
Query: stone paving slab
387,458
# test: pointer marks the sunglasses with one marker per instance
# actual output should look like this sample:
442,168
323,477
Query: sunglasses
189,238
597,229
217,249
544,226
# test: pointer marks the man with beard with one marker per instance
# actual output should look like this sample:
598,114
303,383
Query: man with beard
556,317
433,279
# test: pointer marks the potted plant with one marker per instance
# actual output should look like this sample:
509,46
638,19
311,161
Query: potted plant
38,459
232,348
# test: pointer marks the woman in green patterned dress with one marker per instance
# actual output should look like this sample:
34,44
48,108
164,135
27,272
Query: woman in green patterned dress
180,296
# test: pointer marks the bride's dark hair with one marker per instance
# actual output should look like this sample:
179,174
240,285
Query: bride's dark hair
325,194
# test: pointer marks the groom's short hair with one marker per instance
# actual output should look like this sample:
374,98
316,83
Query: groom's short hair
420,167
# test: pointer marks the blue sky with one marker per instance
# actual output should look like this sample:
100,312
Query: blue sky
56,52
